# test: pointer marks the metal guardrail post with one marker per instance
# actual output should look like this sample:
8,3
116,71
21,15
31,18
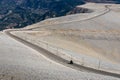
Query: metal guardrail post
82,61
99,64
47,45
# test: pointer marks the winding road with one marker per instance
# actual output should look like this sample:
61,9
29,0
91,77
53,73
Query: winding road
29,61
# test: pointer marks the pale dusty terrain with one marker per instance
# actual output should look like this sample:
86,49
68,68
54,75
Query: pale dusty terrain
98,36
92,35
95,35
19,62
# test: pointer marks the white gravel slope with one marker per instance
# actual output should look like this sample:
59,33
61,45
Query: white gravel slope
97,37
19,62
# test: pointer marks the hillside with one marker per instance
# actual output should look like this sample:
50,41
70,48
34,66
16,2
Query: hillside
83,46
92,36
19,13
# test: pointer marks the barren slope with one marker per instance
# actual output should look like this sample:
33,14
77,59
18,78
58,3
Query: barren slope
95,37
19,62
92,36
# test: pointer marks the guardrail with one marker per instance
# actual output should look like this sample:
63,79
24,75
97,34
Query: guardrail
78,58
57,58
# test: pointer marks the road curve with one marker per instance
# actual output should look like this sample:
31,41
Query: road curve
107,10
57,58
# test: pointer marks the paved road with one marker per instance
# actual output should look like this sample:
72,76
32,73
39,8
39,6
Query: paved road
57,58
90,16
19,62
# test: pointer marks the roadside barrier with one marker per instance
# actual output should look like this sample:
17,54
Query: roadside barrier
78,58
